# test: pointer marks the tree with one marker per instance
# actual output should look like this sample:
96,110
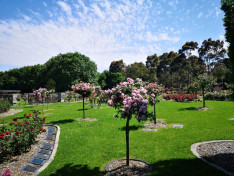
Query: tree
152,63
70,68
108,79
228,8
129,102
85,90
211,51
137,70
188,47
50,84
117,66
205,82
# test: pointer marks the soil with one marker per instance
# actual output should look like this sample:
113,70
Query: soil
156,126
219,153
136,168
87,119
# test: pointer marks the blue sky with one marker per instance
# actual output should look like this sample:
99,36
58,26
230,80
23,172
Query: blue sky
32,31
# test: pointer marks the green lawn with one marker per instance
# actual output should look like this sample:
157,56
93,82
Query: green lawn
86,147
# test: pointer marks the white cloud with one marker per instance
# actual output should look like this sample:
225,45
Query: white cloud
200,15
65,7
44,4
104,31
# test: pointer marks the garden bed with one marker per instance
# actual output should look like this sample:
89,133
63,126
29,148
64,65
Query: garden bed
136,167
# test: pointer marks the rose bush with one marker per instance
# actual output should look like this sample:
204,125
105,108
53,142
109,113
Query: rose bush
4,105
182,97
19,136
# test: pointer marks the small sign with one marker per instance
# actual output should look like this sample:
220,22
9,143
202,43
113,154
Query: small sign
232,119
29,168
42,156
43,151
47,146
178,126
37,161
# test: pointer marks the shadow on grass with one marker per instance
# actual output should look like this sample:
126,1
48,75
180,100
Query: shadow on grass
62,121
77,170
131,128
188,167
84,109
188,109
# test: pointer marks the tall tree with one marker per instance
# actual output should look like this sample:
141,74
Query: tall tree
137,70
228,8
152,63
211,51
108,80
70,68
188,47
117,66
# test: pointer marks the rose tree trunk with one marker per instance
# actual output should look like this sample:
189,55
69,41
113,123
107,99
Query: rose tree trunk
127,142
83,109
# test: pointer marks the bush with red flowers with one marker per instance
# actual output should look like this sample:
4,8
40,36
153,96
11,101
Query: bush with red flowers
4,105
19,136
182,97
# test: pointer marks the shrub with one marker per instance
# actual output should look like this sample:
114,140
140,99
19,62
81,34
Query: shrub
218,96
4,105
19,136
182,97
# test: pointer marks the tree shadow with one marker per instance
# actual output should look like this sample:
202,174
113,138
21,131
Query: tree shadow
188,109
188,167
62,121
77,170
84,109
131,128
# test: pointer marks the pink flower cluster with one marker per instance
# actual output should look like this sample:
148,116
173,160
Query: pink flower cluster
129,100
84,89
40,93
153,91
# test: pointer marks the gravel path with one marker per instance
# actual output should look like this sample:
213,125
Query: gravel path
220,153
10,112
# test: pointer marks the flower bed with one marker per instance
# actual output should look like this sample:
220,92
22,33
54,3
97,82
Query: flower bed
218,96
4,105
19,136
182,97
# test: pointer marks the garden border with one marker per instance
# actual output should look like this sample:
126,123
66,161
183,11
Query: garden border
53,153
194,150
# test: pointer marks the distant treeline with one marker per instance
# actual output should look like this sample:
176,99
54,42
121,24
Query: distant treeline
174,69
58,73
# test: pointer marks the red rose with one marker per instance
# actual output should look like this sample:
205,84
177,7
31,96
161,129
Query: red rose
41,129
17,132
29,114
7,132
32,129
44,130
29,130
3,134
1,137
25,115
44,119
11,123
33,117
27,122
15,119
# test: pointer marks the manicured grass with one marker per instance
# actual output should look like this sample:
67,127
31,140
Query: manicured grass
86,147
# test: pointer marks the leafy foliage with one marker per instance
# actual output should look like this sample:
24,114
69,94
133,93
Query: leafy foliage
4,105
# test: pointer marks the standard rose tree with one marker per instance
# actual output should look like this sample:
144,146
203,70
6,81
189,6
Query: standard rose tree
153,91
85,90
129,101
41,94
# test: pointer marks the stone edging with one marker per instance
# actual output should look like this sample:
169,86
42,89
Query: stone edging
53,153
194,150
